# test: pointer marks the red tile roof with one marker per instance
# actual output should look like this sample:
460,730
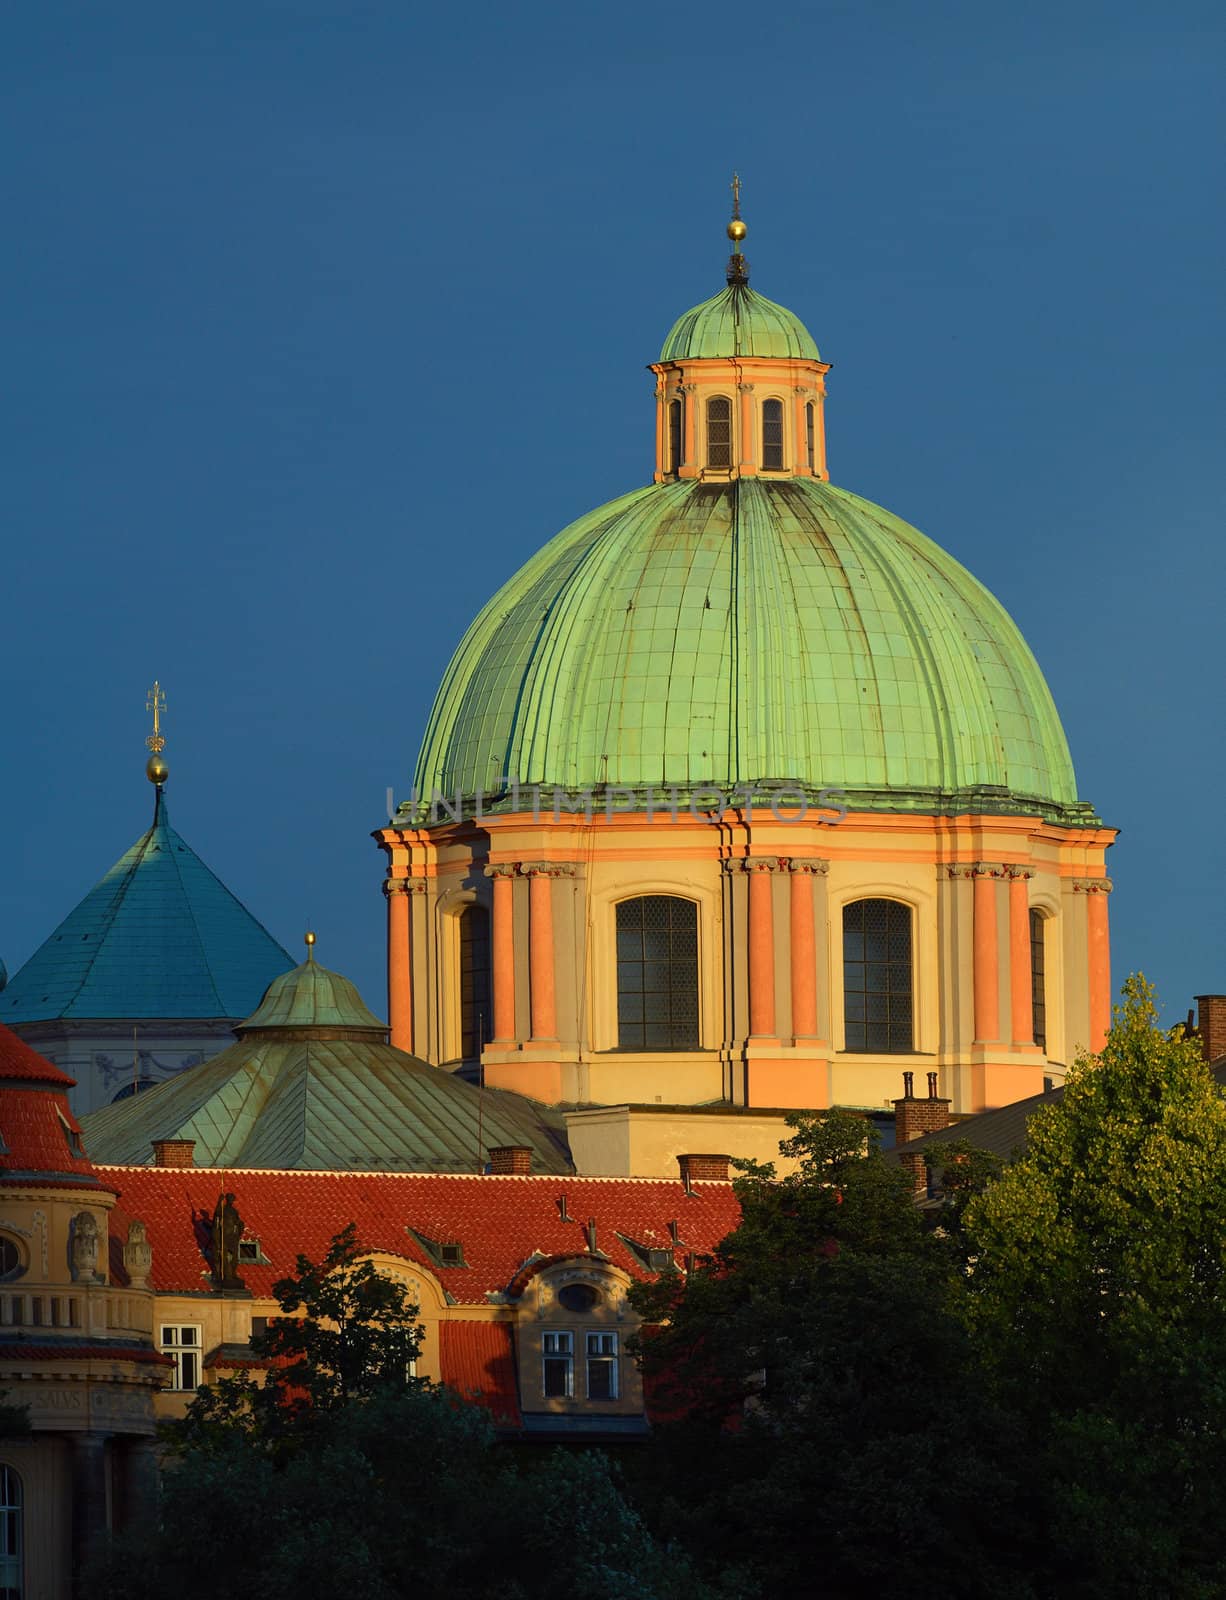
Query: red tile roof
501,1222
19,1063
35,1122
82,1352
478,1360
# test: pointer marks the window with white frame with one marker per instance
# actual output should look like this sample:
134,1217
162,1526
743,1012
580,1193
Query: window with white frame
558,1365
181,1342
601,1366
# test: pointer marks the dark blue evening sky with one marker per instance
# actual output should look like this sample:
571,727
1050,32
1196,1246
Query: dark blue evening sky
272,270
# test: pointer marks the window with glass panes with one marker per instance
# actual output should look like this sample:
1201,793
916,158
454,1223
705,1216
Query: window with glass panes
558,1365
719,431
474,980
772,435
676,419
601,1356
877,975
810,437
181,1342
657,973
11,1585
1038,980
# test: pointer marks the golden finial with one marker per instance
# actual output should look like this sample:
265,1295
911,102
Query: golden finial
156,769
309,941
736,228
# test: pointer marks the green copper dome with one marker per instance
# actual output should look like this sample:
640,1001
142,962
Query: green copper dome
719,634
739,322
312,997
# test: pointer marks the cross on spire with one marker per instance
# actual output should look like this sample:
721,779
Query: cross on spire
156,702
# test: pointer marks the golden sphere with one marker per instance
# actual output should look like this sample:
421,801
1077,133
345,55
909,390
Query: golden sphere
156,770
310,939
737,230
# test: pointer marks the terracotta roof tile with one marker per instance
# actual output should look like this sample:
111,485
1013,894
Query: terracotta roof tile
501,1222
478,1360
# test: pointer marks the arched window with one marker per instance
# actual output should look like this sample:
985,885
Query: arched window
772,435
474,980
719,431
657,973
877,975
811,436
676,429
11,1587
1038,980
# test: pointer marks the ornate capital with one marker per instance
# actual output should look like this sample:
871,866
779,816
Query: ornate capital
759,864
800,389
744,388
1092,886
1009,870
978,869
501,869
690,388
548,869
810,864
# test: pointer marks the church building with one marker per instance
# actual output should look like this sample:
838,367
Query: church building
743,796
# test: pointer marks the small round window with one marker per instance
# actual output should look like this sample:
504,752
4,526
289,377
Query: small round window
10,1257
578,1297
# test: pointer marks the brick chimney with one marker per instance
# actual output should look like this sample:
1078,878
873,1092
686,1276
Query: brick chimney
914,1117
711,1169
1211,1025
511,1160
174,1152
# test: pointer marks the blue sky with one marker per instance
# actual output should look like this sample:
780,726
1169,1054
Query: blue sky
270,267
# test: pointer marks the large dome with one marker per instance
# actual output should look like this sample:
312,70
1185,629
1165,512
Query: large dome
739,632
739,322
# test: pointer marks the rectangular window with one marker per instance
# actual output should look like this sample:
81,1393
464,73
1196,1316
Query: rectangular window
602,1366
1038,979
877,976
558,1365
772,435
181,1342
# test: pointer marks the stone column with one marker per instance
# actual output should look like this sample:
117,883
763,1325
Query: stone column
761,946
144,1483
802,930
541,980
689,406
502,951
800,442
89,1525
1098,943
745,390
987,981
1021,995
399,968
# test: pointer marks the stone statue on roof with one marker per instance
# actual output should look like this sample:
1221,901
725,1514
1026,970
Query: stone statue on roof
227,1232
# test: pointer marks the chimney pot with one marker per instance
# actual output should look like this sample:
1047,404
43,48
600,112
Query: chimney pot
1212,1025
174,1152
908,1085
932,1086
511,1160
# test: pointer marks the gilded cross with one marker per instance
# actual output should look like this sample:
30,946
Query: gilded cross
735,186
156,702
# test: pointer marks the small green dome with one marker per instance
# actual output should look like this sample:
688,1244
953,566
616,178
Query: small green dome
312,997
717,634
739,322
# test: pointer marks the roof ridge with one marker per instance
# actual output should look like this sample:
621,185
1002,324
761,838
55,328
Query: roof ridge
356,1173
191,910
137,852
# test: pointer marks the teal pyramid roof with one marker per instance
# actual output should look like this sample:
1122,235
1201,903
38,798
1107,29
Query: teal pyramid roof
159,937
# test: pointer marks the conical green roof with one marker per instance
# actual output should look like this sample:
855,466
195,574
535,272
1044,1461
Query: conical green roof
313,1084
720,634
159,937
739,322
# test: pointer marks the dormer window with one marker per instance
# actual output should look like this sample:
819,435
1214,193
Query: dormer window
71,1136
719,431
772,436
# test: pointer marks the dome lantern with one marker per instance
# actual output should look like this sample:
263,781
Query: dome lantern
740,386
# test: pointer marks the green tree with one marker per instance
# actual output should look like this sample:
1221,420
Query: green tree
1096,1291
342,1474
834,1433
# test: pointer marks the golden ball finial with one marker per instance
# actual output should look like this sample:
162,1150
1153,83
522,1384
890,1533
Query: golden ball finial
737,230
156,769
309,940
